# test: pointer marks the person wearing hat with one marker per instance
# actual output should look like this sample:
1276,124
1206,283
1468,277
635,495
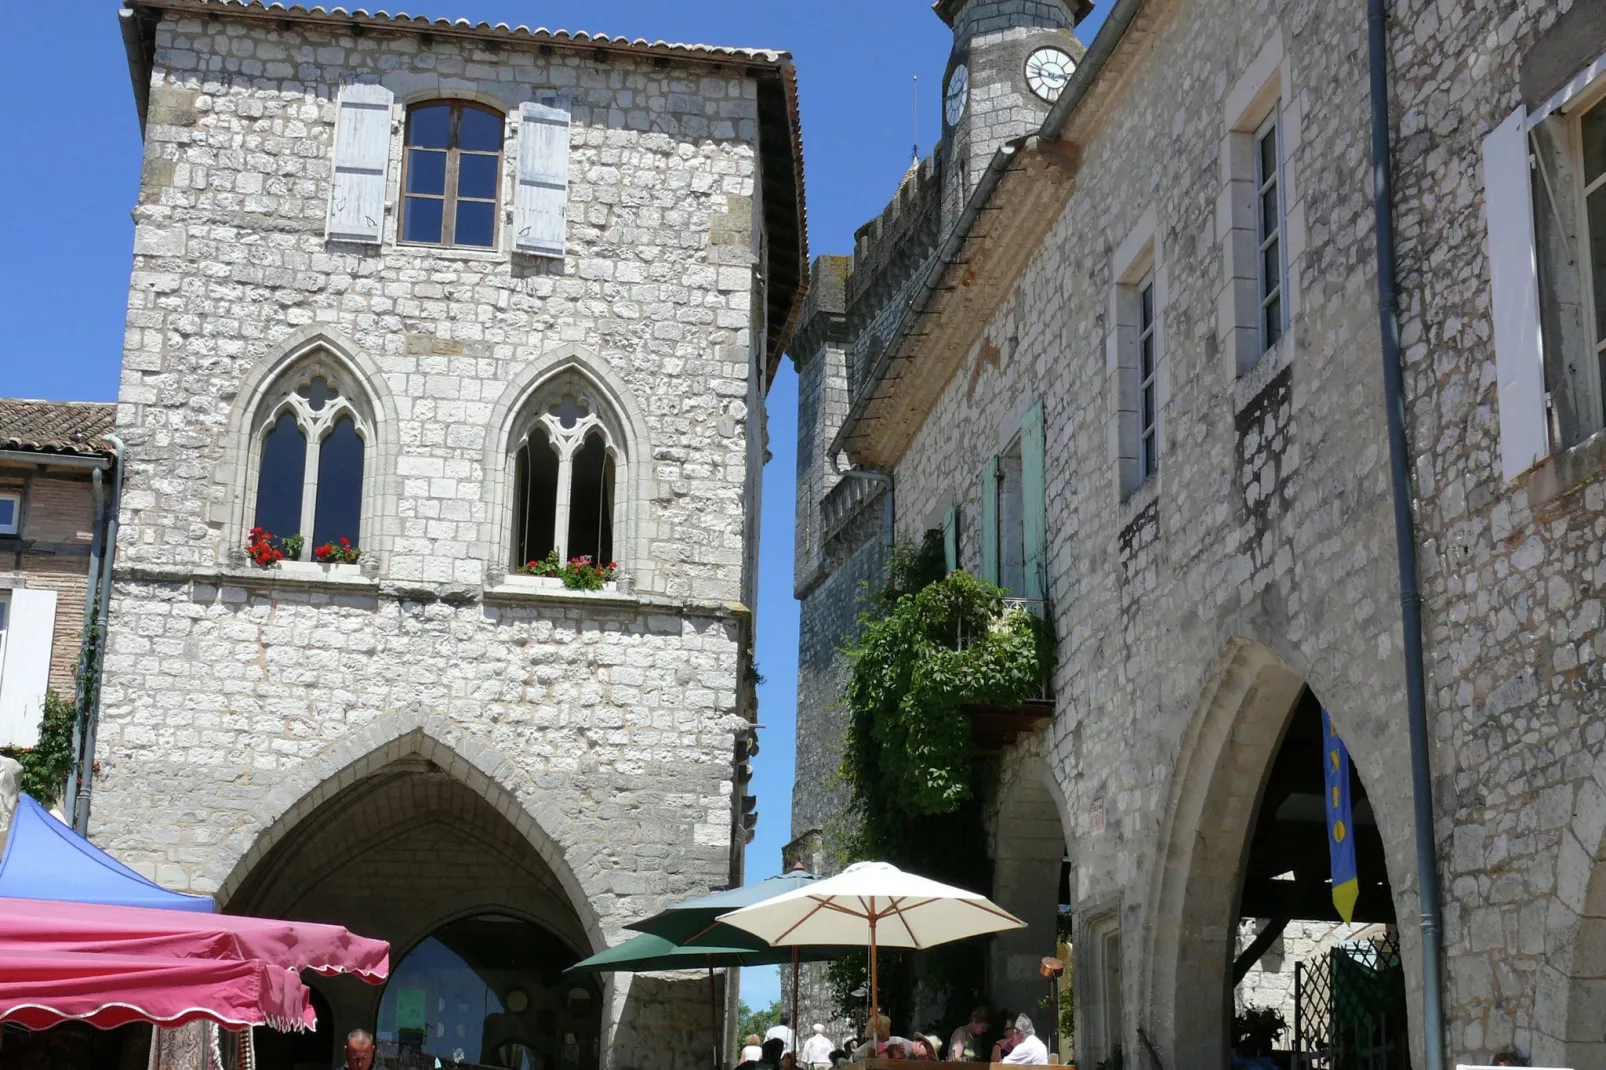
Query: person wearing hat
816,1054
1020,1045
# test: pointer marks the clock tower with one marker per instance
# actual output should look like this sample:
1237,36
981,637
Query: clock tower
1011,59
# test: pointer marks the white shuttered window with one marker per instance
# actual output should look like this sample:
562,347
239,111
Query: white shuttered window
30,629
1514,276
541,202
362,162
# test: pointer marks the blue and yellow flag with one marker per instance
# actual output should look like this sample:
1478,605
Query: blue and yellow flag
1340,820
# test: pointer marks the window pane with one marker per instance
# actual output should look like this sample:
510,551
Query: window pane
1146,349
1148,407
1270,216
1268,156
1146,301
1593,127
427,126
1597,249
536,514
476,175
8,514
338,513
280,478
421,219
1274,321
1271,265
476,223
426,171
481,131
590,503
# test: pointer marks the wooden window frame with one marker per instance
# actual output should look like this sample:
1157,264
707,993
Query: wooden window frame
1271,289
1594,373
449,197
1148,380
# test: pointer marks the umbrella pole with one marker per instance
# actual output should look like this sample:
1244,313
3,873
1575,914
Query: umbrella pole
713,1014
795,1026
875,998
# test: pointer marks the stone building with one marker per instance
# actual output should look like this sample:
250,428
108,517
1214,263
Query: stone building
1136,377
55,492
462,296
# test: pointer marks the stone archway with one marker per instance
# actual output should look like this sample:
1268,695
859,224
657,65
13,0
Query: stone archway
1028,848
402,850
1224,764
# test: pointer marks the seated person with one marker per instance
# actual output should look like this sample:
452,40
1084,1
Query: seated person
884,1045
752,1052
965,1044
1020,1046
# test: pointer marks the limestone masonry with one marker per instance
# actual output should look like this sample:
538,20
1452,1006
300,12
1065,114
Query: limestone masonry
496,743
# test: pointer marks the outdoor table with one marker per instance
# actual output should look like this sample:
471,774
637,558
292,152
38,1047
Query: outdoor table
926,1064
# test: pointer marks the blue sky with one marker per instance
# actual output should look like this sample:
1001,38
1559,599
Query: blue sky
73,176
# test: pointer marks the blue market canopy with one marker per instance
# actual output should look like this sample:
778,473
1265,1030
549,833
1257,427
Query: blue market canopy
44,859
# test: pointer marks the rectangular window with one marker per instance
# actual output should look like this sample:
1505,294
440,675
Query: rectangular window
10,512
1269,222
1592,184
451,175
1148,369
1011,524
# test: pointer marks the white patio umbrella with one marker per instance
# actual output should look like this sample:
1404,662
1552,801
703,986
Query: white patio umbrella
874,904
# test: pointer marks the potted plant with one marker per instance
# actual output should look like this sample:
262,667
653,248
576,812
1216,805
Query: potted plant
266,549
340,552
1256,1030
577,574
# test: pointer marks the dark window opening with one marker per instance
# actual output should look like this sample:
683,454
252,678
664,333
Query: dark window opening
535,480
281,478
452,174
338,513
591,502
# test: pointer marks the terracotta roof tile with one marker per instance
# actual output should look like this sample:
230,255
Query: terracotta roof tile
56,426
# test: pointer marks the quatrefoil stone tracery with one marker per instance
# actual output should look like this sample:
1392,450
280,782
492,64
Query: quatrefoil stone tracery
318,403
569,419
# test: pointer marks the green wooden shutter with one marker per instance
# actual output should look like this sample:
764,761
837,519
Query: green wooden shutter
1034,503
950,538
989,522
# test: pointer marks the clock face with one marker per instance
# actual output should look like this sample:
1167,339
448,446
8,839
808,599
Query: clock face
958,90
1047,72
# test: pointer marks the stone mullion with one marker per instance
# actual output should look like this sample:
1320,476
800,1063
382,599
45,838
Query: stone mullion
560,513
309,488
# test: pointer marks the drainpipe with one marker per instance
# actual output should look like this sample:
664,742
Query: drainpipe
1427,864
91,713
86,646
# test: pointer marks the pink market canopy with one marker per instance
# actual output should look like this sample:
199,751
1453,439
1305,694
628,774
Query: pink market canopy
37,925
39,989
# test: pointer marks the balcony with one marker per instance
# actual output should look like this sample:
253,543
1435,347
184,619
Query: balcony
994,727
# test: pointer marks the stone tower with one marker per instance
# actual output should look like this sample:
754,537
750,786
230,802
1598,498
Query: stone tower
1009,61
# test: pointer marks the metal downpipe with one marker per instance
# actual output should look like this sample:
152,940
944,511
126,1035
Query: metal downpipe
86,771
1427,865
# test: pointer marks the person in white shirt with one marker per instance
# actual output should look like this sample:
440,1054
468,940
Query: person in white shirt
816,1054
783,1032
751,1051
1020,1046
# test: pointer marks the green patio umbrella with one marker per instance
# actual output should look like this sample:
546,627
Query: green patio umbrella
647,952
695,923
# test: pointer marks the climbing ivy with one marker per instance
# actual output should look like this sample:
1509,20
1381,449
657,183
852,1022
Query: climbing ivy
929,645
46,765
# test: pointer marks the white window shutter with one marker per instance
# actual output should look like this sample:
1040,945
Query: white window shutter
1034,503
362,162
30,631
1514,274
541,202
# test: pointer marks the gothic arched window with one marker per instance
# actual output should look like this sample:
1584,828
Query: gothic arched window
312,448
566,478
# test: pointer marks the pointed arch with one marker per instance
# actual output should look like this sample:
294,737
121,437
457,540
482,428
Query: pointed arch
1191,904
415,733
623,422
316,351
